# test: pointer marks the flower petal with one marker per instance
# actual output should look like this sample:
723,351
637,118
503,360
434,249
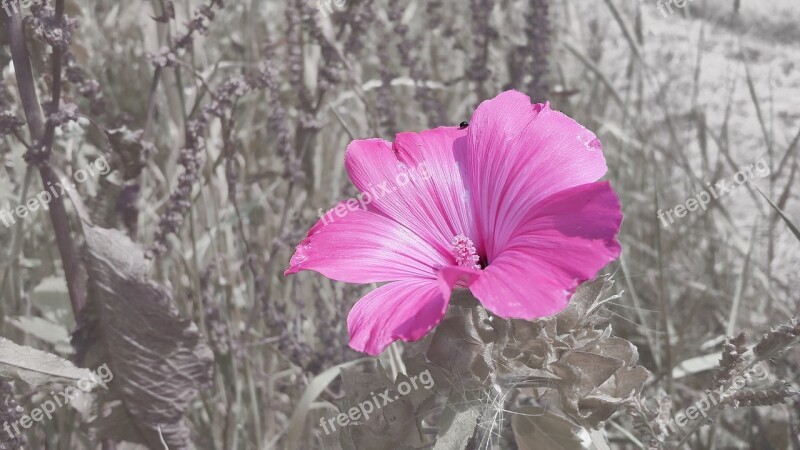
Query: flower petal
519,154
565,240
418,182
405,310
362,245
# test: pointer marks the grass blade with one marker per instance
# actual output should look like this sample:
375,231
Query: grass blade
786,219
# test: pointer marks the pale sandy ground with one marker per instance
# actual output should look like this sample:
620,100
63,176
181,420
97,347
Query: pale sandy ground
768,35
770,40
772,48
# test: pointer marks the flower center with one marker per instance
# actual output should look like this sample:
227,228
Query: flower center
464,252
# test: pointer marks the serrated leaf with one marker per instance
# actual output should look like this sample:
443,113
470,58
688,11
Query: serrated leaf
36,367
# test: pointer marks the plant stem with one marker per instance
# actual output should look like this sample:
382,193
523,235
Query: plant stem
42,134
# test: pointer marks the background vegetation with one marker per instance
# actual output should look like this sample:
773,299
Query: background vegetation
226,124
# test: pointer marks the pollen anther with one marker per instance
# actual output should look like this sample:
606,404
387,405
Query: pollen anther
464,252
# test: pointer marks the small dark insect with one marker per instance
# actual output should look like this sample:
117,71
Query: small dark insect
463,125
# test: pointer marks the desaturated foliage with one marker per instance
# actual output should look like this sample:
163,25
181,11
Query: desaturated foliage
224,124
160,360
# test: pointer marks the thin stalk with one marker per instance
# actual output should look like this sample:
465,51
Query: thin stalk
15,250
43,137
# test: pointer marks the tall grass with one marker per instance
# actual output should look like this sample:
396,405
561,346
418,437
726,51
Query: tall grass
677,102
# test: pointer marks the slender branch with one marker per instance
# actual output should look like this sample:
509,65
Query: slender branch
42,135
24,74
151,104
50,126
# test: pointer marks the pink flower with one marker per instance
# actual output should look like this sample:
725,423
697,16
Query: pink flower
510,208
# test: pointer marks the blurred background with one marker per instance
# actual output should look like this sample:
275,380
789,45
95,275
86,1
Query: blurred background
226,123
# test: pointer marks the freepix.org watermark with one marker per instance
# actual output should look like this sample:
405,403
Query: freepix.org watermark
664,6
42,200
326,7
376,401
100,376
720,188
418,172
703,406
15,6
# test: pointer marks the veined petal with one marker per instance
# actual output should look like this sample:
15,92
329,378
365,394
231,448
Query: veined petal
405,310
516,191
361,245
564,240
519,154
418,182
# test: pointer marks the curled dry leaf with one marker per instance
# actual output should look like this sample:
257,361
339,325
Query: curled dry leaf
459,422
584,306
393,423
159,360
457,347
571,358
598,372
